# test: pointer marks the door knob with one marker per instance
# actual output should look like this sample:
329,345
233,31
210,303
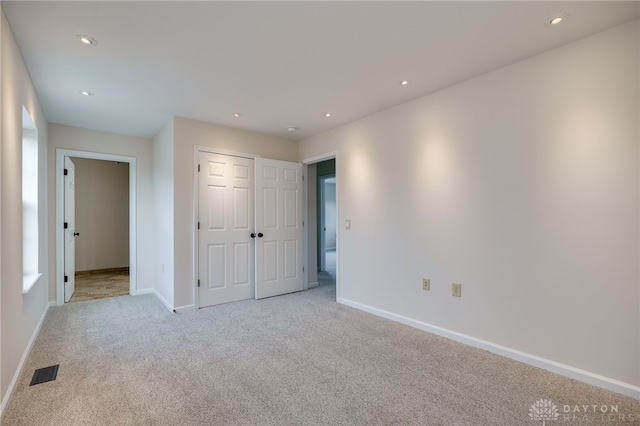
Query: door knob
253,235
260,235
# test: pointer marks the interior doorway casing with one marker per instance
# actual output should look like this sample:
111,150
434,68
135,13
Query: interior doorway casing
59,169
307,162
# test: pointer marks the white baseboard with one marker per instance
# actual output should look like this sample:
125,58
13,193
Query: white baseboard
23,360
143,291
183,309
313,284
178,309
162,300
536,361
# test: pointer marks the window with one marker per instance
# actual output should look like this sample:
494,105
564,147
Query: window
30,261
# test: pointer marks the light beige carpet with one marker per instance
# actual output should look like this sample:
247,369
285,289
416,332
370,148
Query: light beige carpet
299,359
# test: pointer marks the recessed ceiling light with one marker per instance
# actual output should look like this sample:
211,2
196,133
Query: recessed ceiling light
403,82
87,40
556,19
86,93
292,129
237,114
328,114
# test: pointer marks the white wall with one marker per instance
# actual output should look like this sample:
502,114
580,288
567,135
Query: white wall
163,218
522,185
102,214
20,315
191,133
74,138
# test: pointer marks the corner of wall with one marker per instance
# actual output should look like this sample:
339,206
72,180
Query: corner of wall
163,203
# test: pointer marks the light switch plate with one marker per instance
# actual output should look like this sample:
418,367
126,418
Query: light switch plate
347,224
456,289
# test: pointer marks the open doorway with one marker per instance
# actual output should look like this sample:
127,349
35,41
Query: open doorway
101,229
327,236
126,250
323,235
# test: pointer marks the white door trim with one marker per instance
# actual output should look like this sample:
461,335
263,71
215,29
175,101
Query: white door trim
194,208
133,265
312,160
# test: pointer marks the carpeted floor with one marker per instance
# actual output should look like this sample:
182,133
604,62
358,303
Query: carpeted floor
289,360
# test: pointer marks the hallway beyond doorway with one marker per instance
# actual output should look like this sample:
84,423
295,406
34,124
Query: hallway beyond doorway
328,276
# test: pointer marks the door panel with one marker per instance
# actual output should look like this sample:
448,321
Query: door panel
291,259
242,271
291,212
241,204
226,212
269,208
270,261
216,207
279,219
217,266
69,232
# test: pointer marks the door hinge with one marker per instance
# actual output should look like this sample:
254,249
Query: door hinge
198,225
66,225
66,279
303,269
303,223
66,172
303,178
198,167
198,283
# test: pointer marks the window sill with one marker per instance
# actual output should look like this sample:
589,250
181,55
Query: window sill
28,281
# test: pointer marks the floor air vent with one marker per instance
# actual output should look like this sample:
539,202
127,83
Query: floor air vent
42,375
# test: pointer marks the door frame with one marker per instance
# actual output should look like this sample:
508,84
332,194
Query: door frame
196,197
333,155
133,265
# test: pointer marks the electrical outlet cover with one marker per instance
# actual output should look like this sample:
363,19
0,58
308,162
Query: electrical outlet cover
426,284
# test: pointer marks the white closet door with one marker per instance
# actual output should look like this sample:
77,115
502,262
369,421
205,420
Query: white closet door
278,227
226,219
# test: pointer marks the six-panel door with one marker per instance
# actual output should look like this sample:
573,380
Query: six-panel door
226,218
279,220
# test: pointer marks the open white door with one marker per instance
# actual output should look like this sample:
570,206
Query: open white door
69,229
279,228
225,221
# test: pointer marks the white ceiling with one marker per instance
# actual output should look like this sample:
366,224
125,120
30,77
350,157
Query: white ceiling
279,64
